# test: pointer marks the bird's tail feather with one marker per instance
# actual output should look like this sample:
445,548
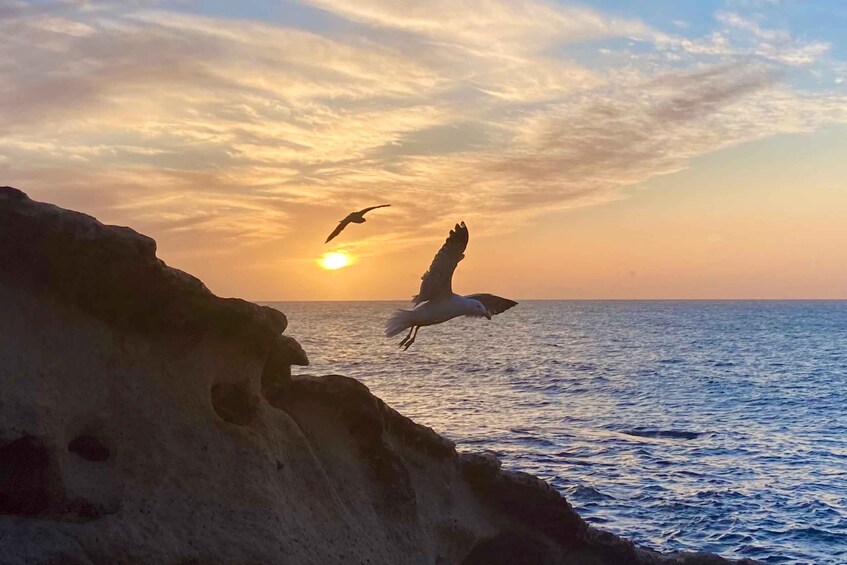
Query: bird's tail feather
399,321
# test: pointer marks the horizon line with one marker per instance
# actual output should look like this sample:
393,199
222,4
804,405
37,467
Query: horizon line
842,299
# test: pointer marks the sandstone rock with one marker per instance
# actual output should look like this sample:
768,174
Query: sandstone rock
480,468
290,352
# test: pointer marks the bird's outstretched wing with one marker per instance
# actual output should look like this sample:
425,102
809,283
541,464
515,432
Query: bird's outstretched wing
493,303
437,281
341,225
366,210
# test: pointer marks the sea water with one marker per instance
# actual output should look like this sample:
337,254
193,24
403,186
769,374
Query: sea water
683,425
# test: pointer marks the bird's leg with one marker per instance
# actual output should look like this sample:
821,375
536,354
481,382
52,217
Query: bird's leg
405,339
411,341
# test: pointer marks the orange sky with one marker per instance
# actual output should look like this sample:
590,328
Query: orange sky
592,154
731,226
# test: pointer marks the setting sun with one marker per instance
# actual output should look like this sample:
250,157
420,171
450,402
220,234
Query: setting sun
334,261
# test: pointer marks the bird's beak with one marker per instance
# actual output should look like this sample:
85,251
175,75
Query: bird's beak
487,316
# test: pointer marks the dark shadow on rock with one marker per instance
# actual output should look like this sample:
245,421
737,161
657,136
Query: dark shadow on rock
62,558
29,481
276,374
80,509
90,448
509,548
234,402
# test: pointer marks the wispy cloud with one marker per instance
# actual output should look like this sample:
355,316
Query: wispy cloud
208,129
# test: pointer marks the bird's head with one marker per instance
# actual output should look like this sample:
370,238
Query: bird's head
479,309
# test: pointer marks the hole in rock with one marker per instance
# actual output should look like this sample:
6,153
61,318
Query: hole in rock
28,479
234,402
89,448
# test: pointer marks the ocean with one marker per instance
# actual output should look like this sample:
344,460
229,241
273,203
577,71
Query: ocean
684,425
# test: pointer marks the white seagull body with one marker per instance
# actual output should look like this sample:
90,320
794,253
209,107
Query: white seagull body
353,218
436,302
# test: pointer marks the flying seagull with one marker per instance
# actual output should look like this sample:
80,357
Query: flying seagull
352,217
436,302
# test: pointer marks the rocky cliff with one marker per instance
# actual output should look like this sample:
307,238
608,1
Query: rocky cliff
145,420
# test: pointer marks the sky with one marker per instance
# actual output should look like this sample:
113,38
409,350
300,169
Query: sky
611,149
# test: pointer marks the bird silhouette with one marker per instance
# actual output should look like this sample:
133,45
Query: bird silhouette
352,218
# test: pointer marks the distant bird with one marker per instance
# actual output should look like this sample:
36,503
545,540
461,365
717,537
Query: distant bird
352,217
436,302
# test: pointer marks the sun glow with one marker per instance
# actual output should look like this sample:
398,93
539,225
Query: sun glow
335,260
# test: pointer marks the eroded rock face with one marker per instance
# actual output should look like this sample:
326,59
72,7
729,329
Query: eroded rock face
112,273
144,420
